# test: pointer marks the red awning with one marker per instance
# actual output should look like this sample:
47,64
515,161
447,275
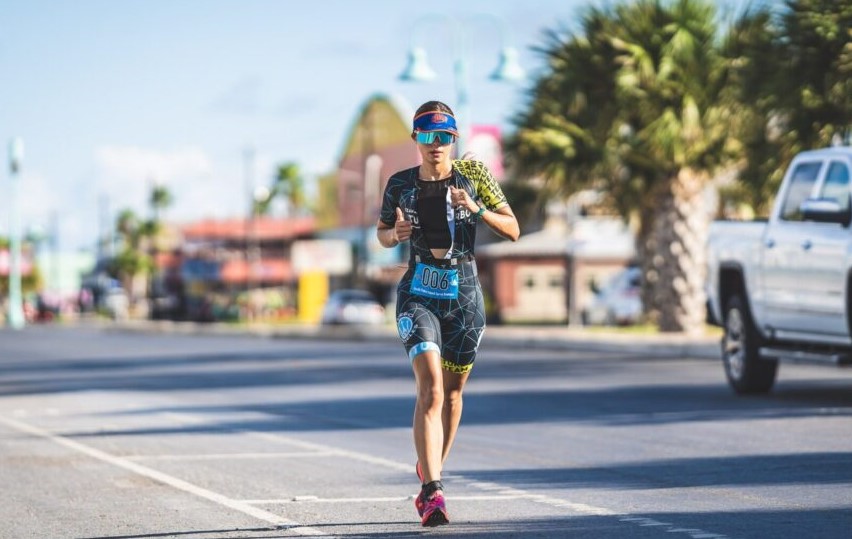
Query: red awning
267,271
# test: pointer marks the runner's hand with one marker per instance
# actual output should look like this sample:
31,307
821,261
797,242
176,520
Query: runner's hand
401,228
459,198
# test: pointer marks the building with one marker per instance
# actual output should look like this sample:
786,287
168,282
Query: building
229,268
548,276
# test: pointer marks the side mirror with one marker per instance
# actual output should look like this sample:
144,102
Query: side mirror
826,210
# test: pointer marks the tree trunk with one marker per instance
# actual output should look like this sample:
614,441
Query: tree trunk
680,231
646,250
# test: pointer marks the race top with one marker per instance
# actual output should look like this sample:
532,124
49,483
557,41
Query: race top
402,191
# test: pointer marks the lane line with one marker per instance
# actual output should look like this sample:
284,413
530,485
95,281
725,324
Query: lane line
295,442
394,499
235,456
180,484
552,501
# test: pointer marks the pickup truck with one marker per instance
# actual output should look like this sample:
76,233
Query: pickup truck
782,288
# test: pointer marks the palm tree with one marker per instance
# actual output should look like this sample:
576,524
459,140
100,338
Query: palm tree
131,260
631,106
752,50
817,46
288,184
791,88
160,199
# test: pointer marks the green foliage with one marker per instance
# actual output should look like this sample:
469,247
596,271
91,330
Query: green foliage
817,68
648,87
160,199
137,237
627,102
288,183
789,87
130,262
526,200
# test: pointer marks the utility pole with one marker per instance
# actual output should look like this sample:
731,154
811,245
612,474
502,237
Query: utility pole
249,229
16,318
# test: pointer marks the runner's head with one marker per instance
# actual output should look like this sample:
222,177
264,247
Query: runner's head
433,123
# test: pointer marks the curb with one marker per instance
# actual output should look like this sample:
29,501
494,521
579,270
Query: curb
513,337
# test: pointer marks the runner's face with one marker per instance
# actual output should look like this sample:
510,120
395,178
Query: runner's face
435,153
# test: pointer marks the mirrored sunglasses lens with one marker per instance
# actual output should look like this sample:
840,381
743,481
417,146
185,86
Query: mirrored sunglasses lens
445,138
426,138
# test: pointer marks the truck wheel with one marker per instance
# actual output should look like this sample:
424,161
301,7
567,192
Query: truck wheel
747,373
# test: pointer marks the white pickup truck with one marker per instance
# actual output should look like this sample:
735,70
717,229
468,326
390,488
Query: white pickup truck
782,288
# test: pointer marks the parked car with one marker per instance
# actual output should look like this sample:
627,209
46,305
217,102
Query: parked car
619,302
352,306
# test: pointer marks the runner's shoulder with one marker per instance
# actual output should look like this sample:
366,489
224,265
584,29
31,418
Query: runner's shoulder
471,168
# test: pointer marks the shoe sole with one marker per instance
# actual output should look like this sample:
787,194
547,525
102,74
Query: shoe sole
436,518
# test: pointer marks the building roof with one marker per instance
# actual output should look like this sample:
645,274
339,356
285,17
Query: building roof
597,238
277,270
262,228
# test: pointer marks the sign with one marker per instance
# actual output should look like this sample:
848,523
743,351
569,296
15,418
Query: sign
26,263
331,256
485,142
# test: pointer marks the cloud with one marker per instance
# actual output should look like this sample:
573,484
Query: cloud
126,175
36,199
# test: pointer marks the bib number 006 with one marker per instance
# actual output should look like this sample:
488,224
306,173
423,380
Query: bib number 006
432,282
435,279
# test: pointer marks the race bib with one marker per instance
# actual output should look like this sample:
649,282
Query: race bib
432,282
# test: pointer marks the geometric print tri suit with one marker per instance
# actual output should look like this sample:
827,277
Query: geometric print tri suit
450,321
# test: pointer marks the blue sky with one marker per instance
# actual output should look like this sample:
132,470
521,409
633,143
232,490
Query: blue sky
111,96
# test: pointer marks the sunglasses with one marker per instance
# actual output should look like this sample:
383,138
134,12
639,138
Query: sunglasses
429,137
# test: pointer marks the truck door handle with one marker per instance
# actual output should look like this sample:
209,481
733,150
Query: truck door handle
806,245
770,243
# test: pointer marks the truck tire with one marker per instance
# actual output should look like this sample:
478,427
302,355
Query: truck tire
746,372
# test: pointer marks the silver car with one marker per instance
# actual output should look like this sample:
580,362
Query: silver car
619,303
352,306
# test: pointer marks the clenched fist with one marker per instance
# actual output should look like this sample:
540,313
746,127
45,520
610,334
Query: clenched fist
459,198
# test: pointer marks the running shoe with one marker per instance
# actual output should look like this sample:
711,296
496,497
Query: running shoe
435,511
420,503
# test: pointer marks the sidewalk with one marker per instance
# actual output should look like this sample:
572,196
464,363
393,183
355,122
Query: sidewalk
516,337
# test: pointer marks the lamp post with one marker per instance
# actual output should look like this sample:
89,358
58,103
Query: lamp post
16,312
418,69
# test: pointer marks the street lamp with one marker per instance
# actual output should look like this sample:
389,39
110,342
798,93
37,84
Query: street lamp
418,69
16,311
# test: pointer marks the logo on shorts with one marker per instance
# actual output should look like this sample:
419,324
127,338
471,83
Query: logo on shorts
404,325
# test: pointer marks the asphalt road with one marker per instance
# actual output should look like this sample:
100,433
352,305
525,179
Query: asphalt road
108,434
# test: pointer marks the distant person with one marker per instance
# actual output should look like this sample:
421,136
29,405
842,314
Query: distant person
440,311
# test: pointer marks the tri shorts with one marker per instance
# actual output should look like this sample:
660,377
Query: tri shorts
452,327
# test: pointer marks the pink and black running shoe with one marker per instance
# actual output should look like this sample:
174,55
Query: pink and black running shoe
435,511
419,501
431,506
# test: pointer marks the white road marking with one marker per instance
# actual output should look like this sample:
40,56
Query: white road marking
235,456
309,446
385,499
581,508
502,492
164,478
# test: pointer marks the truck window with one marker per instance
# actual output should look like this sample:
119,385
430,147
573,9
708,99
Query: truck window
836,185
801,184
